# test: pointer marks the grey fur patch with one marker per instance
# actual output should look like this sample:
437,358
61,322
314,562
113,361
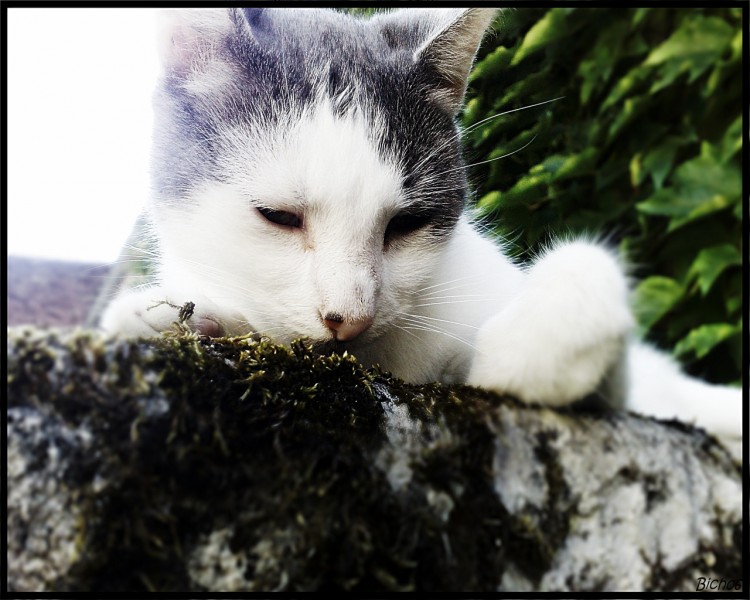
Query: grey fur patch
282,61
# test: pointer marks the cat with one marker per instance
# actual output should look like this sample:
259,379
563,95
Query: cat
308,181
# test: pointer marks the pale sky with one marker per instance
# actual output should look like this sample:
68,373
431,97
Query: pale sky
80,82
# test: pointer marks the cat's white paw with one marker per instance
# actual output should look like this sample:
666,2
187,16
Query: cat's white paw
152,311
564,335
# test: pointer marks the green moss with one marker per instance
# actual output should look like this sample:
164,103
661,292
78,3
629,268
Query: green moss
196,427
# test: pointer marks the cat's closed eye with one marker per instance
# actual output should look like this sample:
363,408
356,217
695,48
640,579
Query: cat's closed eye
404,224
280,217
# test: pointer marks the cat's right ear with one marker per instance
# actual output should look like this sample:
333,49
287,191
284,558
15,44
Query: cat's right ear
450,50
444,40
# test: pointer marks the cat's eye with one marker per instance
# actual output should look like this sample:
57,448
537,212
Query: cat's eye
280,217
404,224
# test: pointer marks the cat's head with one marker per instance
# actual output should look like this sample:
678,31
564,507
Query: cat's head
307,169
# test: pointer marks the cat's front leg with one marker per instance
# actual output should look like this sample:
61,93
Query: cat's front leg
145,313
563,336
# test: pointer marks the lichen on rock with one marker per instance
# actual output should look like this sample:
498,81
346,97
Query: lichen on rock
184,463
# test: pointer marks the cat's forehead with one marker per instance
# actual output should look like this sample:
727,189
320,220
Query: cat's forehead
321,162
312,29
293,58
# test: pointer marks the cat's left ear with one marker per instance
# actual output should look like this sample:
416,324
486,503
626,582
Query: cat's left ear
187,37
450,50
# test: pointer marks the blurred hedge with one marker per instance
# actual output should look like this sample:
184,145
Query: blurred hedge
643,148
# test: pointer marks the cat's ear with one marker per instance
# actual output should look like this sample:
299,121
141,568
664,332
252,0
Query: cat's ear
189,38
450,49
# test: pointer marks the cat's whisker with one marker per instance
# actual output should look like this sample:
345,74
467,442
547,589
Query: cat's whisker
431,326
483,162
144,286
436,152
420,317
140,250
221,278
405,330
448,282
512,110
126,261
433,154
422,327
445,290
109,277
436,296
434,190
450,302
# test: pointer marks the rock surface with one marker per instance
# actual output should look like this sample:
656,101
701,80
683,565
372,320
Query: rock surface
189,464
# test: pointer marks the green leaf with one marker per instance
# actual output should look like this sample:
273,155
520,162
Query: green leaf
653,298
637,172
471,113
732,292
731,143
631,109
551,27
700,39
658,162
694,47
712,262
702,186
599,63
627,84
639,15
527,190
551,165
725,69
576,165
491,65
526,89
490,201
705,338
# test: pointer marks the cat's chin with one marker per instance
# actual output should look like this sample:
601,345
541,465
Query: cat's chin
355,346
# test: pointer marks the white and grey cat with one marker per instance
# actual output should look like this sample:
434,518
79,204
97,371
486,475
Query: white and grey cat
308,182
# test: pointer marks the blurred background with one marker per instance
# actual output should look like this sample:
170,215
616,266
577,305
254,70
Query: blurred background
79,125
642,147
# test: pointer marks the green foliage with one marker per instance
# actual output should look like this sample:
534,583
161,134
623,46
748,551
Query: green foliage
643,148
361,12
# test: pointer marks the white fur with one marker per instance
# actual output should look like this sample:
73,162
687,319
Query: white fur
658,388
564,331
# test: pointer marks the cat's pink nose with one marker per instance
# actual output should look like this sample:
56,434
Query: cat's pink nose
345,329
